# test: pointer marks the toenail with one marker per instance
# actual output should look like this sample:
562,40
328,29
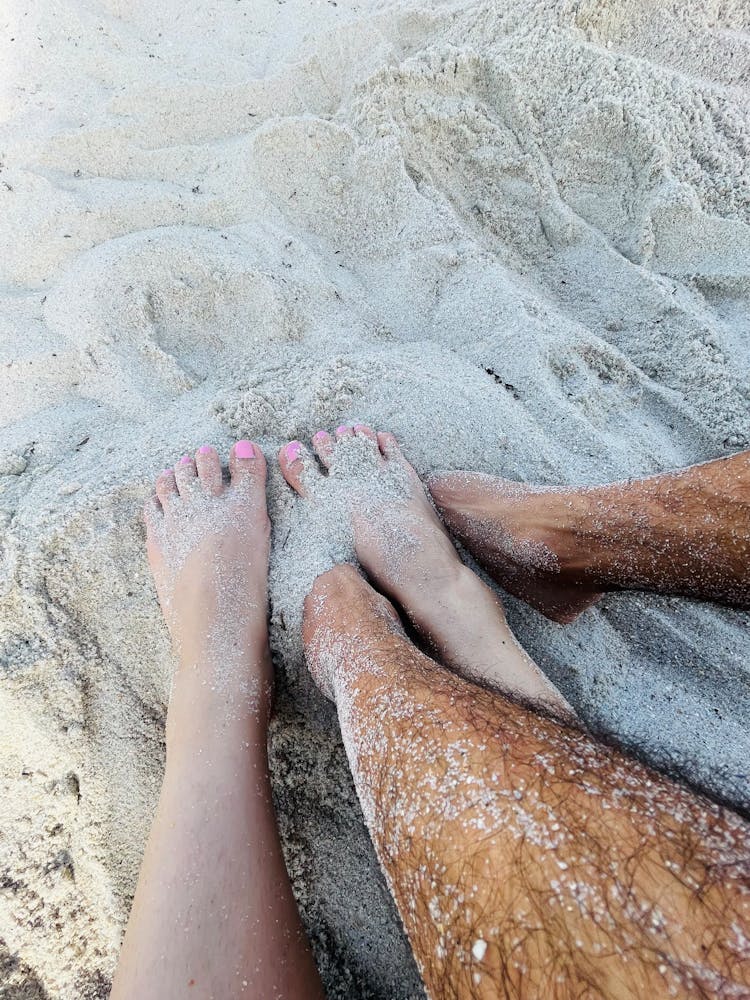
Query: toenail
342,429
293,451
359,427
319,434
165,472
205,449
244,449
186,460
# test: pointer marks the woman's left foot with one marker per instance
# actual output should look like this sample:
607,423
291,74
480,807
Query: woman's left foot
208,545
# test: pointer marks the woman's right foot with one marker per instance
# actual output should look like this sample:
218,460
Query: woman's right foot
524,536
407,553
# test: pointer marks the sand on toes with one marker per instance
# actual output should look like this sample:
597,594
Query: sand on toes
523,537
406,552
208,546
398,537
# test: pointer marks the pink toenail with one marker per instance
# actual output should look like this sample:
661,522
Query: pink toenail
319,434
186,460
166,472
244,449
293,451
342,429
359,427
205,449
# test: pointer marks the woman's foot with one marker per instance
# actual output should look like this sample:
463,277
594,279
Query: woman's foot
406,552
208,545
528,539
214,914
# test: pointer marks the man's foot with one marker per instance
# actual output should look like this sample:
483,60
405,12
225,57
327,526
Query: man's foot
406,552
208,546
526,538
683,532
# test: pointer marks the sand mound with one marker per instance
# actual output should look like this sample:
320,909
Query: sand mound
516,235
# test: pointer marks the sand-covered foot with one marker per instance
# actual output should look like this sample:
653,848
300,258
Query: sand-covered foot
406,552
399,539
208,546
526,538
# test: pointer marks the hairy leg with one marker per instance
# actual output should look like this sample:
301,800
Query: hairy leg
213,914
405,550
526,860
685,532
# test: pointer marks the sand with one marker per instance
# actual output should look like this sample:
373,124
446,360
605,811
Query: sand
516,235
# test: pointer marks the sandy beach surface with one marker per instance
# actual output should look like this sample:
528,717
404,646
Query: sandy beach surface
515,234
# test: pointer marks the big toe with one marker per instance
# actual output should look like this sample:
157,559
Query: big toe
448,490
473,494
247,468
298,467
390,449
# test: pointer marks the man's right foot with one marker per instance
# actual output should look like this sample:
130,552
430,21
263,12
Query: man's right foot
407,553
524,536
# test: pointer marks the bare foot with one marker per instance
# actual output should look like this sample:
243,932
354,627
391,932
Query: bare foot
525,537
208,548
214,908
406,552
683,532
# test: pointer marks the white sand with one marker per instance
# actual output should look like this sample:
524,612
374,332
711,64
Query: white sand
517,235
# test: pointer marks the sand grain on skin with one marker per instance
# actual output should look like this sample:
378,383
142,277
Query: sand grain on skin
230,222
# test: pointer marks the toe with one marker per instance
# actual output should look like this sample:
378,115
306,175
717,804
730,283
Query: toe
368,434
298,467
323,446
362,430
344,431
448,489
247,466
208,464
390,449
166,488
153,514
388,445
185,475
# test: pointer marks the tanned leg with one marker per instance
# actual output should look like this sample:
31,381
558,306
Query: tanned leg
213,915
685,532
526,860
405,550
